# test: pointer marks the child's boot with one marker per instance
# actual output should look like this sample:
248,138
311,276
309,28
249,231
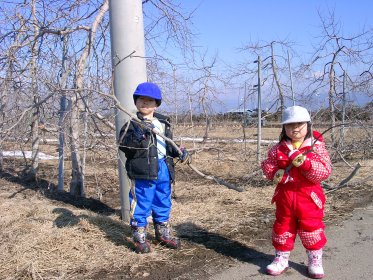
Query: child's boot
139,237
280,264
315,269
164,236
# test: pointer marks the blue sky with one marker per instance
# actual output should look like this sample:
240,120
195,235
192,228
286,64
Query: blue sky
225,25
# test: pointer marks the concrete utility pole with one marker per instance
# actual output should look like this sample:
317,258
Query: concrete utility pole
129,69
343,106
244,107
291,79
259,61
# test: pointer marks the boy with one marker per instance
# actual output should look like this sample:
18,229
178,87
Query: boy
150,166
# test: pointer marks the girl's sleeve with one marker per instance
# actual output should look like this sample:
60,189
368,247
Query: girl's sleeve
320,164
269,165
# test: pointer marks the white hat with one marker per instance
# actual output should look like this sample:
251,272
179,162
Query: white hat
295,114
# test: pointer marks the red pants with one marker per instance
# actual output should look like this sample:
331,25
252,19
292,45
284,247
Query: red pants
299,211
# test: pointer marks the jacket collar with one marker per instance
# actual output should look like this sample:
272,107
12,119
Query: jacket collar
306,143
156,115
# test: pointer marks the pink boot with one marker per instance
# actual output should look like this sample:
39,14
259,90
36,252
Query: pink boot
315,269
280,264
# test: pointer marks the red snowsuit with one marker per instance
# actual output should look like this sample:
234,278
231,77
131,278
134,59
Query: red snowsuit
300,201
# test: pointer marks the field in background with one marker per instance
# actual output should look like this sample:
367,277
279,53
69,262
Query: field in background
54,236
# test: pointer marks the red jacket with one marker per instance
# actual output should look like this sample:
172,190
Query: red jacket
300,201
319,159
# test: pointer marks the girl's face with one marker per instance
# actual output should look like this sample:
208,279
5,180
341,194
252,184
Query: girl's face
296,131
146,106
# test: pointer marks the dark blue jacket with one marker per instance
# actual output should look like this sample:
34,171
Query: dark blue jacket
141,152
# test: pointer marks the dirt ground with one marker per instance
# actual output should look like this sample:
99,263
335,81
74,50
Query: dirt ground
49,235
344,258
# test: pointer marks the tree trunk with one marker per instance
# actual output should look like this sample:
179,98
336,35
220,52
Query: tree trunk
331,94
76,184
3,103
191,115
207,127
278,84
36,111
77,172
61,119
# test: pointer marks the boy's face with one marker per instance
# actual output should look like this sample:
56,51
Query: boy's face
146,105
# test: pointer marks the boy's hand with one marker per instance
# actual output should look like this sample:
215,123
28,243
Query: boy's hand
143,129
147,125
185,157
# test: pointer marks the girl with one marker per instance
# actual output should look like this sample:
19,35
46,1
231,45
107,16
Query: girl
297,165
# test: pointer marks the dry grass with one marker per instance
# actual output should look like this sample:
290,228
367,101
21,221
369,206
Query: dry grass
42,238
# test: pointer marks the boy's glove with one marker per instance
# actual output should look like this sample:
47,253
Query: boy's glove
142,129
281,177
147,125
299,160
185,157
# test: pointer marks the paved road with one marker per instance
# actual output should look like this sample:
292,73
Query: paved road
347,255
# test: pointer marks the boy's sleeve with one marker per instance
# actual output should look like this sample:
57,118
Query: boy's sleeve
123,135
130,137
269,165
173,152
320,164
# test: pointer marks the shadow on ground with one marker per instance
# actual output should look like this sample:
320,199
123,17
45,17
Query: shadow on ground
229,248
115,231
48,190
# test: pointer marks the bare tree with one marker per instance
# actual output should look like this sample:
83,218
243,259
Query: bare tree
34,89
33,35
275,67
206,88
39,71
77,178
336,53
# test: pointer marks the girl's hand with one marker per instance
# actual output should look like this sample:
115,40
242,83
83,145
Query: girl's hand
299,160
281,177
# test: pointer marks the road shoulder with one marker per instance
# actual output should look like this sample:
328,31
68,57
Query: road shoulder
346,255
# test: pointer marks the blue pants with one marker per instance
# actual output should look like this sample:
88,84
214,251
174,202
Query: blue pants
151,197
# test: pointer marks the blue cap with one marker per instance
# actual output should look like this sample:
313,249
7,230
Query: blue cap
149,90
